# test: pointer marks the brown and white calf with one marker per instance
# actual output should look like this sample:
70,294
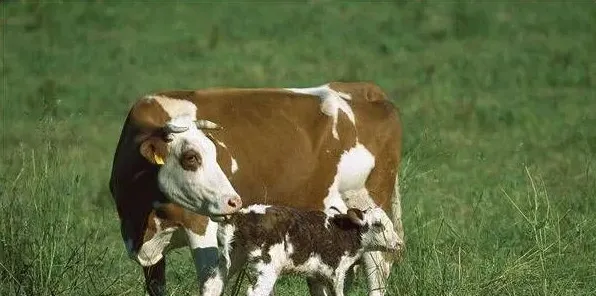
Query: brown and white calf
184,155
275,240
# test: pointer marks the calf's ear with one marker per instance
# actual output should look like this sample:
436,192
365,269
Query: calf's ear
154,150
356,216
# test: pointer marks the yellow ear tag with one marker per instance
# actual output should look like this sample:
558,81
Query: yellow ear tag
158,159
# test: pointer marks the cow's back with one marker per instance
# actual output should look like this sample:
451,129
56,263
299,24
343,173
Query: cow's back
278,146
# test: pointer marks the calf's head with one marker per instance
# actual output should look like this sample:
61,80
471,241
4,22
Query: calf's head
189,174
378,233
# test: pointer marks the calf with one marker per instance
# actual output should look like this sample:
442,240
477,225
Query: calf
273,240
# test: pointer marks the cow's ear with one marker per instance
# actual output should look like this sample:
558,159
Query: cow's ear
356,216
154,150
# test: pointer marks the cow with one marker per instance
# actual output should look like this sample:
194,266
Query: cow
187,158
275,240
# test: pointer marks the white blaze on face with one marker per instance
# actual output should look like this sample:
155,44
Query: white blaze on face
204,189
331,102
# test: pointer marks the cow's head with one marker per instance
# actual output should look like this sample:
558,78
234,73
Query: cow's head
189,174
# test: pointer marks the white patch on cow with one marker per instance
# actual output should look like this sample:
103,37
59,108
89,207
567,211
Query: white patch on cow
266,277
175,107
234,164
352,171
182,121
331,102
359,198
204,252
206,190
267,273
213,285
152,250
354,167
222,144
234,167
279,256
256,208
209,239
314,264
255,253
289,245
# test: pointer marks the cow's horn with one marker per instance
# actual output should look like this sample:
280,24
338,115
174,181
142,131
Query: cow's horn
172,128
206,124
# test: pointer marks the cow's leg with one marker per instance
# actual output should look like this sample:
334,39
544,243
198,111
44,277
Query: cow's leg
318,287
151,255
396,215
376,269
155,278
204,252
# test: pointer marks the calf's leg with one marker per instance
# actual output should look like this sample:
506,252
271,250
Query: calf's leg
215,284
350,274
318,287
266,278
338,284
377,269
155,278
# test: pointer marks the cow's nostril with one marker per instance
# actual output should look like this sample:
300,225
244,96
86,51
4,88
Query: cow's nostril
235,202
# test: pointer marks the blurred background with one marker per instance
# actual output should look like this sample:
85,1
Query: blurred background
497,101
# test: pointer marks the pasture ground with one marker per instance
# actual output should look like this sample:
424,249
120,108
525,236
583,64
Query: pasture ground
497,99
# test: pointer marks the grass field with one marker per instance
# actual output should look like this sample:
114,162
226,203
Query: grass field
498,101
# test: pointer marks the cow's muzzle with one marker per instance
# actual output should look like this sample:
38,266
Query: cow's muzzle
233,204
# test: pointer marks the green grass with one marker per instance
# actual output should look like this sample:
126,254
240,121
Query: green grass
499,113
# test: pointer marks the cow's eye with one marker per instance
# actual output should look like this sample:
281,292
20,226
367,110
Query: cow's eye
190,160
377,225
167,138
